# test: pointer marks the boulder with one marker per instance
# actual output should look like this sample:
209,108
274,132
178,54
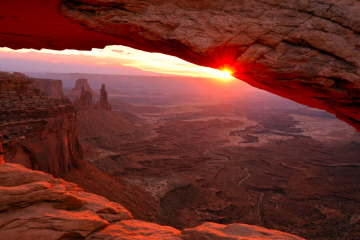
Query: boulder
136,229
34,204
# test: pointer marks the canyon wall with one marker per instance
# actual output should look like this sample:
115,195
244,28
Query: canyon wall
34,205
52,88
38,132
306,51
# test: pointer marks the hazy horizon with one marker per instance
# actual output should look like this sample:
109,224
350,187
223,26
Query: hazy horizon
110,60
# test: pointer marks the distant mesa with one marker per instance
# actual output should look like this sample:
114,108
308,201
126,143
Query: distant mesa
22,84
19,84
77,90
52,88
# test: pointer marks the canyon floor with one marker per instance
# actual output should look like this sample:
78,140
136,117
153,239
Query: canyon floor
228,156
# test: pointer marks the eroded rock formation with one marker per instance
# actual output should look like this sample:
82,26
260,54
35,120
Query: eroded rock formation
306,51
38,132
78,89
34,205
104,102
84,102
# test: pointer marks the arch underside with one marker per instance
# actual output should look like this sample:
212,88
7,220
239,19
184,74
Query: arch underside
305,51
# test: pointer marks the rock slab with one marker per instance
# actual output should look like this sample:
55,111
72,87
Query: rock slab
35,205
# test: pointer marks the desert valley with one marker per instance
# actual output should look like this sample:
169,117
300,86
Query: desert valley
179,120
172,156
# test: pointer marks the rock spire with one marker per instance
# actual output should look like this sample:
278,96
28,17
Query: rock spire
104,103
85,101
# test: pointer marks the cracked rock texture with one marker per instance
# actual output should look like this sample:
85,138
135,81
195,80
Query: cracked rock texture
307,51
34,205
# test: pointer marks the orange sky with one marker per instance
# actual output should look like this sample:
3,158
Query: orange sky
110,60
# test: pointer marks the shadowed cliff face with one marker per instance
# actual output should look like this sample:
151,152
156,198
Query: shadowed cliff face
38,132
306,51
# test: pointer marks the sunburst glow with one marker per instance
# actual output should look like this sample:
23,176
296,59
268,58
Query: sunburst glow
110,60
224,74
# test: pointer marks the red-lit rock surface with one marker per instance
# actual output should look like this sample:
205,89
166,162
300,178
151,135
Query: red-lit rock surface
34,205
233,232
305,51
38,132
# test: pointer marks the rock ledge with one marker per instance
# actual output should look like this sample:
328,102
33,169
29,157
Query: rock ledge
35,205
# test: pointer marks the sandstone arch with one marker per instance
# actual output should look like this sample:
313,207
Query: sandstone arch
304,50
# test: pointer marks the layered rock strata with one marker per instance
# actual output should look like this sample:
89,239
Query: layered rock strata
306,51
38,132
52,88
34,205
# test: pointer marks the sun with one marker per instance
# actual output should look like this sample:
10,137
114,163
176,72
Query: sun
224,74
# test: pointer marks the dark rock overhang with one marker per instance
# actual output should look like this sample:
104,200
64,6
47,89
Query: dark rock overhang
306,51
